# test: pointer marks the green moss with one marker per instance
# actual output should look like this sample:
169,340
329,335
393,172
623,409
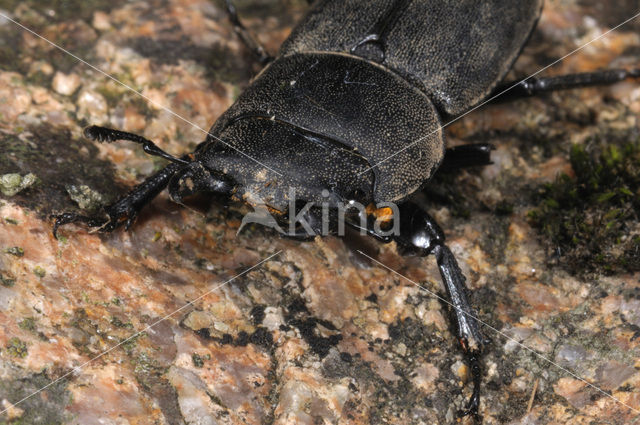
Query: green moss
144,363
120,324
588,219
15,250
17,348
86,198
112,93
7,279
39,271
197,360
12,183
28,324
128,345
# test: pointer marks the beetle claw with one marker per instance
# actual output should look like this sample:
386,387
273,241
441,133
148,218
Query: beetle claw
122,212
472,406
129,222
66,218
471,411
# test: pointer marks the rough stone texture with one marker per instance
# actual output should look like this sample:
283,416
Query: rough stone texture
317,334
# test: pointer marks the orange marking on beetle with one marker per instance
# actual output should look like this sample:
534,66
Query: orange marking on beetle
384,215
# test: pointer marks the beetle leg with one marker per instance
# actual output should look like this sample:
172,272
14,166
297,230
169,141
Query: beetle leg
303,223
126,209
419,234
467,156
468,331
249,41
103,134
65,218
534,86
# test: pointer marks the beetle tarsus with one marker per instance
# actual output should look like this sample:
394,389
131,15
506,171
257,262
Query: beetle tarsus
473,405
465,320
66,218
122,212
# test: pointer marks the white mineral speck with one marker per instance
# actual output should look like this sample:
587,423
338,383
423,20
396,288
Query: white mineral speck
65,84
101,21
195,404
92,106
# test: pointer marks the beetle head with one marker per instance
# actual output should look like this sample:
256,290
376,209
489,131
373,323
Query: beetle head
195,178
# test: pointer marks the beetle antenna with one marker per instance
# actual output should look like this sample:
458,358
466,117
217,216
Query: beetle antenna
104,134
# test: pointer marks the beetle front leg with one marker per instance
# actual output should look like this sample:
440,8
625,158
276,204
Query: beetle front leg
467,328
420,234
126,209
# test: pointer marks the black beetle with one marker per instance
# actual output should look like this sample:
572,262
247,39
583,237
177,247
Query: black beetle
351,110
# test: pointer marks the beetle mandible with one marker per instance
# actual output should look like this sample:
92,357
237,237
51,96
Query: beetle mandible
352,110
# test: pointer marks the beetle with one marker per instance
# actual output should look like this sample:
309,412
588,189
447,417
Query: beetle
351,111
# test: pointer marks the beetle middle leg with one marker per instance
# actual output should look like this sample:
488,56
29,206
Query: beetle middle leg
419,234
471,155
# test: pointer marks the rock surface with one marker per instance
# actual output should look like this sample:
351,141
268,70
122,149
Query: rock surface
318,333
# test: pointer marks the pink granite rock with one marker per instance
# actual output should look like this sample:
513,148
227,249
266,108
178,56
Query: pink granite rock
317,334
